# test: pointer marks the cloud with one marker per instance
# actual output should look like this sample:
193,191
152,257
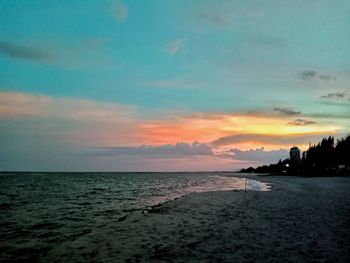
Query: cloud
174,47
88,53
301,122
288,139
259,155
17,51
87,121
96,123
334,95
286,111
15,104
163,151
119,10
313,74
308,74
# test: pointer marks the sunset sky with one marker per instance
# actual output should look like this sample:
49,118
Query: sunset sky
162,85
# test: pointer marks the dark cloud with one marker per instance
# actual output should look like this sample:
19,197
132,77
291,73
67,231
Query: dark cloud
313,74
334,95
308,74
163,151
23,52
301,122
259,155
237,138
326,77
288,139
286,111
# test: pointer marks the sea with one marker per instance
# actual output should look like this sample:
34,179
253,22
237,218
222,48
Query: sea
37,208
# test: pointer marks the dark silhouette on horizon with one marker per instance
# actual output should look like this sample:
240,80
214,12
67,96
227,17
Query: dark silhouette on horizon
326,158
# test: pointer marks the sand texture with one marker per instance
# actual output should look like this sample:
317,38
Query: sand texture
300,220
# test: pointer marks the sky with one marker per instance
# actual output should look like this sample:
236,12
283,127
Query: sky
160,85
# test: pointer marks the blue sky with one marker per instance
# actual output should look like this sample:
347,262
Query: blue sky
159,62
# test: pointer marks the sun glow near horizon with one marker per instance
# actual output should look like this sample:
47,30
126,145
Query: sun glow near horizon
229,84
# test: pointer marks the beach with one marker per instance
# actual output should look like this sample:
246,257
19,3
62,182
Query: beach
174,131
300,220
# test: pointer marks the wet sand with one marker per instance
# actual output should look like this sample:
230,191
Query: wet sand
300,220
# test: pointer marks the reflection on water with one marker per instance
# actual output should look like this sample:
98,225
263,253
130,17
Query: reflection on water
53,207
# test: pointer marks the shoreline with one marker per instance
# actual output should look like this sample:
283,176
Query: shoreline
311,227
148,209
299,220
230,226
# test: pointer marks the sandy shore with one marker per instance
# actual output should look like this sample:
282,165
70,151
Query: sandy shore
300,220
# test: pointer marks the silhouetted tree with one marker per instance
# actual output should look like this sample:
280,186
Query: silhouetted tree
342,151
325,158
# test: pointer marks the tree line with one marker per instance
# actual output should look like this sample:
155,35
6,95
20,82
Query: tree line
327,158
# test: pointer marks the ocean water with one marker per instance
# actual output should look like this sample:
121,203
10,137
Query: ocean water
38,208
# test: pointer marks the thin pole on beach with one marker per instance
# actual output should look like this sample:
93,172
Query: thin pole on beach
245,185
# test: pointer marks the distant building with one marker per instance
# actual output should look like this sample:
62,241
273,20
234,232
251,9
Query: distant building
294,154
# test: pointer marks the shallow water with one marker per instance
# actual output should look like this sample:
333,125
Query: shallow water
50,208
